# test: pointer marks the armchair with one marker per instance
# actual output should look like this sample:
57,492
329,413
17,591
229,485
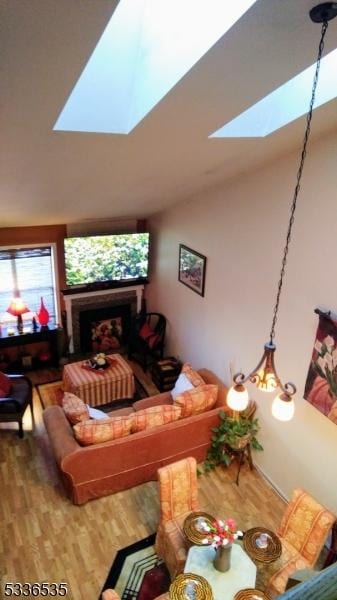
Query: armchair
13,406
147,338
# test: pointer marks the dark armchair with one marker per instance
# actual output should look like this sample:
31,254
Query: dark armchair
12,408
147,338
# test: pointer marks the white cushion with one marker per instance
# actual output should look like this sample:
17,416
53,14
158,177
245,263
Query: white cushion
94,413
183,384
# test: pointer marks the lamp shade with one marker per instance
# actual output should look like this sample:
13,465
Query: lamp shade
264,376
17,307
237,397
266,380
283,407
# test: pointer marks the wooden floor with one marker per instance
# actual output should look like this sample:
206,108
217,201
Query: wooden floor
44,537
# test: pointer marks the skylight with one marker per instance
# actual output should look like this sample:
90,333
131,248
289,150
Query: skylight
286,103
146,48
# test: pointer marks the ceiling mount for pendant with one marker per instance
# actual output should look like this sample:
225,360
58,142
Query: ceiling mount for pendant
323,12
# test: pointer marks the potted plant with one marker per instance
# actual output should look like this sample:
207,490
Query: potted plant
232,434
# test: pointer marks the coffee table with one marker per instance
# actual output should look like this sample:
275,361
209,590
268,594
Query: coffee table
241,574
100,387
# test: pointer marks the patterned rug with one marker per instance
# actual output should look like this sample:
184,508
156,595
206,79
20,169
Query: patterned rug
52,393
137,573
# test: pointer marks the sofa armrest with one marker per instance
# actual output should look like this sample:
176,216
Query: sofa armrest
164,398
210,377
60,433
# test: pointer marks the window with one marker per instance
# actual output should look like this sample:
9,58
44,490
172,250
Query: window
146,48
285,104
29,272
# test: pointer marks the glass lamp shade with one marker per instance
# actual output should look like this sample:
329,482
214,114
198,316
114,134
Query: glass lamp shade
17,307
237,397
264,376
266,381
283,407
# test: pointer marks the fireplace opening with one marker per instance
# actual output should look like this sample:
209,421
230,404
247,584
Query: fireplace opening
105,329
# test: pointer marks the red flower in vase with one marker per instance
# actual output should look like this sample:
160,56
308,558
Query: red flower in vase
221,533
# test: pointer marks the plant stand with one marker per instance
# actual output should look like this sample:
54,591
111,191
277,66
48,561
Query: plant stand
234,437
241,454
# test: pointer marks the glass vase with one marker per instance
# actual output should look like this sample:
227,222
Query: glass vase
222,561
43,315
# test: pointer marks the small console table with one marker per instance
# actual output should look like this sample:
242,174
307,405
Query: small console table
21,341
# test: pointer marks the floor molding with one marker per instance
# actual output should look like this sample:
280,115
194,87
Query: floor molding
271,482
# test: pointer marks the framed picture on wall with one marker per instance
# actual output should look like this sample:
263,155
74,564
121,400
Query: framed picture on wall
192,269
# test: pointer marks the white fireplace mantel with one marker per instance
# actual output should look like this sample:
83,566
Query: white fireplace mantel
70,298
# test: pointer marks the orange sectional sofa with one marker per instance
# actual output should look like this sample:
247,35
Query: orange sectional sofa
94,471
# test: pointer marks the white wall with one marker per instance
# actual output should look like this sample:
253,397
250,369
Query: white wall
241,228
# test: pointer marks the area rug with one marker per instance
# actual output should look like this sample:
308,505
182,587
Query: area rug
137,573
52,393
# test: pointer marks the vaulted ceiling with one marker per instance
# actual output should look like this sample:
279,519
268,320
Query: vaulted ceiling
52,177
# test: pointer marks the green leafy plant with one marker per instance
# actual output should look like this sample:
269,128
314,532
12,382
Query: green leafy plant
230,435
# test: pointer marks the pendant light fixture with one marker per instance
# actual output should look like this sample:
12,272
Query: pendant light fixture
265,376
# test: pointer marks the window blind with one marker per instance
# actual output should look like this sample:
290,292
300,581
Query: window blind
30,271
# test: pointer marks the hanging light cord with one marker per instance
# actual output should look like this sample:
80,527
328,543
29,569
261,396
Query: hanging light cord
298,179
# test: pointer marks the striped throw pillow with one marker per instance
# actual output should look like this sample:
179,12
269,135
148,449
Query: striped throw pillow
192,375
5,385
102,430
154,416
75,409
193,402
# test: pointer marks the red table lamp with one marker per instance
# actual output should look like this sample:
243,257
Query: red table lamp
17,308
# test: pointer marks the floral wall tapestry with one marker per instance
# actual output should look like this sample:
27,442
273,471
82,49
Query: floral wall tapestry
321,385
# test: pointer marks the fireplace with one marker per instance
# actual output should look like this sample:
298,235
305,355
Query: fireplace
105,329
100,321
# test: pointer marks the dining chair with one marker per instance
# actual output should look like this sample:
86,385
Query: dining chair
303,530
332,553
110,594
178,495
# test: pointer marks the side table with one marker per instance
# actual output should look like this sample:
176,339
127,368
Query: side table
165,373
